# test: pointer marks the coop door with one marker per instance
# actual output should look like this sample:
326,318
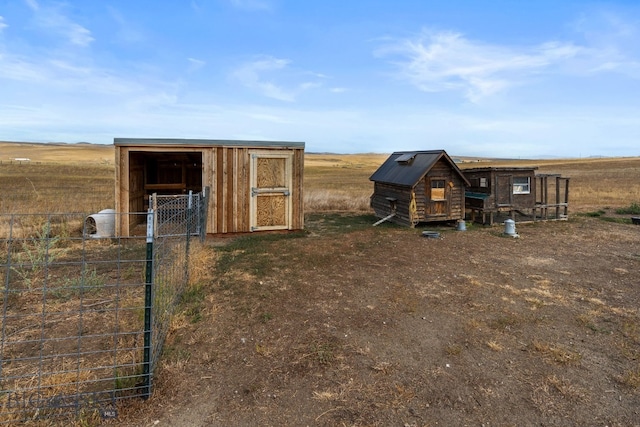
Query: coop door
504,190
438,194
270,191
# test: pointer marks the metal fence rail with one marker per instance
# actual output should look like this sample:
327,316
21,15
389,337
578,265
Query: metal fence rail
84,318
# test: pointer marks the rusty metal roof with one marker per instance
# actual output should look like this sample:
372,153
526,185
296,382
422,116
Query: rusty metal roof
406,168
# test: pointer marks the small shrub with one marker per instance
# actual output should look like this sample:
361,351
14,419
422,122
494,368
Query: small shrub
323,353
91,282
633,209
36,252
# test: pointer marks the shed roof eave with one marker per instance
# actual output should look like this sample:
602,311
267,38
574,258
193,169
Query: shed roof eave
500,169
395,184
178,142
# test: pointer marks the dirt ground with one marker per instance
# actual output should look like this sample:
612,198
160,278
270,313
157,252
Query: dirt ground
351,325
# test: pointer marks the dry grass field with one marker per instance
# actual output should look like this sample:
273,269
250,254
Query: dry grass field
83,175
345,324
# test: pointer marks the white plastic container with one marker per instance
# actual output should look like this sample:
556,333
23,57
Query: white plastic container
101,224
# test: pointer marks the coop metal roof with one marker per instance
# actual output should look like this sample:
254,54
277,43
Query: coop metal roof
406,168
178,142
501,169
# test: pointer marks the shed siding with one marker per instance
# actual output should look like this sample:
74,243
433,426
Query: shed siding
225,171
500,189
382,206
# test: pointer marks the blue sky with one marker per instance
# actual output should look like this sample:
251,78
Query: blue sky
488,78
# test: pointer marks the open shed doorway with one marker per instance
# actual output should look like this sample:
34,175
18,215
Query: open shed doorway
164,173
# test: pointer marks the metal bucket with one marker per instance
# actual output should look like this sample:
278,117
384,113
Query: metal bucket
510,227
462,226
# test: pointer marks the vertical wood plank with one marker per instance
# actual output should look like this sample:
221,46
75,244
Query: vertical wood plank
229,177
220,190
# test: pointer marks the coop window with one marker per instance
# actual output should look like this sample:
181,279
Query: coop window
521,185
483,182
437,189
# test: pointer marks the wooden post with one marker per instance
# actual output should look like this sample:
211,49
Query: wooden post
557,197
566,198
545,188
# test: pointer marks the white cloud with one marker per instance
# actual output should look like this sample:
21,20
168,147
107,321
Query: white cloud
255,75
51,75
52,19
33,4
3,25
195,64
20,69
443,61
613,40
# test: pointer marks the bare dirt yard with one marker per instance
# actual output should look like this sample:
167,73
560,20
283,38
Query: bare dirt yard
347,324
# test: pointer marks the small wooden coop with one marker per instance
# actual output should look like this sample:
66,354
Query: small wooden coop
517,192
411,187
253,185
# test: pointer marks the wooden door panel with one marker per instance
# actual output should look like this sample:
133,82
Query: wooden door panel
504,190
270,191
271,210
271,173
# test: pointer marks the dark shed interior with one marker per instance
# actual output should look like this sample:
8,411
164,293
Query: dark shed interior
163,173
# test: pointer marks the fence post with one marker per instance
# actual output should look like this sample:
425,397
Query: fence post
203,212
189,219
148,301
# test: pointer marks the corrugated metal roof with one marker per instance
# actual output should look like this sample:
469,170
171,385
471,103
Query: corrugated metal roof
177,142
500,169
406,168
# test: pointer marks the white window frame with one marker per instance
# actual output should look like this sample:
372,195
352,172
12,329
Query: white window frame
521,185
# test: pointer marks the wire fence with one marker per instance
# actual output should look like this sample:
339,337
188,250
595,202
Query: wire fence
84,316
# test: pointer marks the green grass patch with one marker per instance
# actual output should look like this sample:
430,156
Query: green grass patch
633,209
593,214
257,247
616,220
343,222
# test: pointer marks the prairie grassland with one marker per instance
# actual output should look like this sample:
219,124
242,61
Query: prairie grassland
80,178
341,182
56,187
61,153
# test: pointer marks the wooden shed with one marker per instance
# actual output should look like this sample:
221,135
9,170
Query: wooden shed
418,186
253,185
516,192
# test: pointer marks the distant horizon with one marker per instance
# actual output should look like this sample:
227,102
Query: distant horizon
454,156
